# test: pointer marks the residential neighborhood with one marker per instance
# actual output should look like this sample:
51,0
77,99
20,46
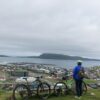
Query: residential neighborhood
13,72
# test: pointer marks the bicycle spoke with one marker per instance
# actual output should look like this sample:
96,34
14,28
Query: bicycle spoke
20,93
43,90
60,89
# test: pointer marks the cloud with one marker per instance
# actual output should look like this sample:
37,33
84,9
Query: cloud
37,26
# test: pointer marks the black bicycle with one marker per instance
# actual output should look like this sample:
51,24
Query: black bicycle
37,87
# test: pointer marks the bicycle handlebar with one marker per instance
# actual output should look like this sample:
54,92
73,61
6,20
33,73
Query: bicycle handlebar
25,78
38,77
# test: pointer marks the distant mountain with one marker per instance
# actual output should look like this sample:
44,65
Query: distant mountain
59,57
3,56
63,57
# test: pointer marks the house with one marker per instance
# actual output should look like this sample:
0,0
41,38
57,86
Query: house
2,78
18,73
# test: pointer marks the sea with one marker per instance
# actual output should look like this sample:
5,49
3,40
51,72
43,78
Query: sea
58,63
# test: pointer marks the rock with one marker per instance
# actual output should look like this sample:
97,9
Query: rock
92,94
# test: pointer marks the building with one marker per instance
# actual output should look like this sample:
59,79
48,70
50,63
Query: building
18,73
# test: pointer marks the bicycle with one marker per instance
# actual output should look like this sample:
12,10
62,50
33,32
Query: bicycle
66,86
37,87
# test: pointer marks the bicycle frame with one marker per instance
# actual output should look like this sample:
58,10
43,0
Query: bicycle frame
33,86
69,83
37,88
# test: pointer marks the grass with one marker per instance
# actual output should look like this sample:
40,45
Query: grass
4,95
86,96
89,81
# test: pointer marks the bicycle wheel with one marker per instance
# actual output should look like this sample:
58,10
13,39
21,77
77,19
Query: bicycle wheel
21,92
84,87
43,90
73,89
60,88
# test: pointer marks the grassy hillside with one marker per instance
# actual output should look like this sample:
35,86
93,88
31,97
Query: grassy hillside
6,96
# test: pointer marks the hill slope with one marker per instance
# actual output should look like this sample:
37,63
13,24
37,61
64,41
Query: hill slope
63,57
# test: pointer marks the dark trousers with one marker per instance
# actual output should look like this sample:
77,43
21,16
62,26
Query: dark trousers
78,87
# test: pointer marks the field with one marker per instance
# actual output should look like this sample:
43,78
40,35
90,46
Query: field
92,94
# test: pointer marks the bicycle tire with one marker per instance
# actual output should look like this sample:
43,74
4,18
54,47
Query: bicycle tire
24,94
84,88
60,88
43,90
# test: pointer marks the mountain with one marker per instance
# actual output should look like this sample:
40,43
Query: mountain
63,57
56,56
3,56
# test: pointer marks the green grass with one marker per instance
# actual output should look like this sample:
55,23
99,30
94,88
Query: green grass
4,95
86,96
89,81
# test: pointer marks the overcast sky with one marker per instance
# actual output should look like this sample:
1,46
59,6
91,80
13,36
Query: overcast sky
31,27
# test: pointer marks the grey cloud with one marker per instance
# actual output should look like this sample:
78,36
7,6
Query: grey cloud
37,26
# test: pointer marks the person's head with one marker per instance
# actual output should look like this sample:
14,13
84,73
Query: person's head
79,62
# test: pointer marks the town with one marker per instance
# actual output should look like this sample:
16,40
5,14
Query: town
12,73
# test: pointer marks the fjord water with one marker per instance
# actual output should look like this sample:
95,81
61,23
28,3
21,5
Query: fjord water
59,63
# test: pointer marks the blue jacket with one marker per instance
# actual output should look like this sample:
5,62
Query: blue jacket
76,71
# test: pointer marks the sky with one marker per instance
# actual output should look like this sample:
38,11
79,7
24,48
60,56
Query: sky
32,27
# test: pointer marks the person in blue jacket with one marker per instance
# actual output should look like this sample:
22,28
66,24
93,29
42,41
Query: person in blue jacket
78,74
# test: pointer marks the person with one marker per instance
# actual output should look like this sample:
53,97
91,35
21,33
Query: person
78,75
